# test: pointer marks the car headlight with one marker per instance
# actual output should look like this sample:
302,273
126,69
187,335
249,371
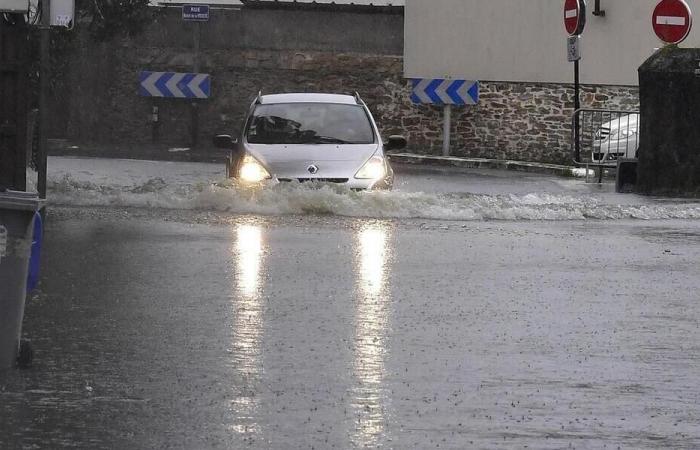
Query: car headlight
251,171
628,132
374,169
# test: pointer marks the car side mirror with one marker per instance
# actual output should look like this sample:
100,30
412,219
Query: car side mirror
396,142
225,141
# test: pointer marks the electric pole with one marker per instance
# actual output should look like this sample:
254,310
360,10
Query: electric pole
44,64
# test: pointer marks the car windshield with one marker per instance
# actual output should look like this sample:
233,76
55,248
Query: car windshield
309,123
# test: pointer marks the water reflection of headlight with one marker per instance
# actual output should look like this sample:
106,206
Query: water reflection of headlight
246,361
371,324
372,260
248,260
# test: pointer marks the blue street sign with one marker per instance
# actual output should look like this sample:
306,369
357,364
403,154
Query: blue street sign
195,13
174,85
445,92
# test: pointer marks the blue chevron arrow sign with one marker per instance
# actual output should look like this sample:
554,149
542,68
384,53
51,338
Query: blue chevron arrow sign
174,85
445,92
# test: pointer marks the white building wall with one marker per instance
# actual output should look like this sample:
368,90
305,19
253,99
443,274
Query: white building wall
525,40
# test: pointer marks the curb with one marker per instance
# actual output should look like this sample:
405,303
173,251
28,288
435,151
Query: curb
164,153
483,163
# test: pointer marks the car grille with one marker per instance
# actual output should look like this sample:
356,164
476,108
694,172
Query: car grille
609,156
318,180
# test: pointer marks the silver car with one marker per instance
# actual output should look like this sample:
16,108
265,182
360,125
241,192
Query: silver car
311,137
617,138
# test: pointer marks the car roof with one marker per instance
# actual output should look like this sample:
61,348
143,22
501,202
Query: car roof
308,98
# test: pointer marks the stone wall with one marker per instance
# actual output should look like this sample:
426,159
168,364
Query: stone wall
520,121
98,102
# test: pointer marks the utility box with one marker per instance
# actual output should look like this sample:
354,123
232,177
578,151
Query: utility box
62,13
669,151
14,6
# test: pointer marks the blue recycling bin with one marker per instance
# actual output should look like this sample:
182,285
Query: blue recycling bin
17,218
35,253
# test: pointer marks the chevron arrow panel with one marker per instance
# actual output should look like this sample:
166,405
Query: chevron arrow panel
174,85
445,92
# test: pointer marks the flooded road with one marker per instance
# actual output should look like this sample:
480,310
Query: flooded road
201,326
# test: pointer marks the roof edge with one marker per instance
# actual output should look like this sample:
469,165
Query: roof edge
314,6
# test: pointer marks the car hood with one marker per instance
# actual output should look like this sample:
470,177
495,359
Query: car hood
629,121
294,160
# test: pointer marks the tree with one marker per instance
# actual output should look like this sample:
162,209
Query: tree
109,18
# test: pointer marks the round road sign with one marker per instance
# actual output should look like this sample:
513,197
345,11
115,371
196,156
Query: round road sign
574,16
672,21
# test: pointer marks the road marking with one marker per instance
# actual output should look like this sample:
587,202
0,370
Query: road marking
670,20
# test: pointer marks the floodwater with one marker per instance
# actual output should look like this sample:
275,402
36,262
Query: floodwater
171,314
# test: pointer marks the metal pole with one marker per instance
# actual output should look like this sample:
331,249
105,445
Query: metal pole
577,106
13,98
43,95
195,69
446,131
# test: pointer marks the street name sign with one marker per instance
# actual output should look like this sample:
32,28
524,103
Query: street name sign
445,92
574,16
672,21
573,48
195,13
175,85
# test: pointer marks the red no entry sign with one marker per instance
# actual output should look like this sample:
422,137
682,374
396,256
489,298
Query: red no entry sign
574,16
672,21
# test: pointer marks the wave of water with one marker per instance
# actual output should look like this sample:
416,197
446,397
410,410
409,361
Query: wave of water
294,198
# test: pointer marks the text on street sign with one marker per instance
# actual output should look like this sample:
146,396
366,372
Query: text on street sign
195,13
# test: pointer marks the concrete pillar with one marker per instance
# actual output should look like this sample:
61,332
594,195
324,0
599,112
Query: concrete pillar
669,94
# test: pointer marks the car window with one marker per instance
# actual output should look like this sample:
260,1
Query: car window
309,123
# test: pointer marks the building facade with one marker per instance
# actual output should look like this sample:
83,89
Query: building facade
517,49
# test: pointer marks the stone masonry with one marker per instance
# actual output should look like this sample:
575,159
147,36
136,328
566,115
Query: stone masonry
518,121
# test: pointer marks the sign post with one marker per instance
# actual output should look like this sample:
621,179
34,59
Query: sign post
196,14
446,128
575,22
672,21
44,89
446,93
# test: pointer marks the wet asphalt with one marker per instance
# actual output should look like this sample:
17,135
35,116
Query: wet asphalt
197,330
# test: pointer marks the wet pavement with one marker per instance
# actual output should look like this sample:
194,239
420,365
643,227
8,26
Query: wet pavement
179,327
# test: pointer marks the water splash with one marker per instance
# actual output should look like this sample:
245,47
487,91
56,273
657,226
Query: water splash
329,199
